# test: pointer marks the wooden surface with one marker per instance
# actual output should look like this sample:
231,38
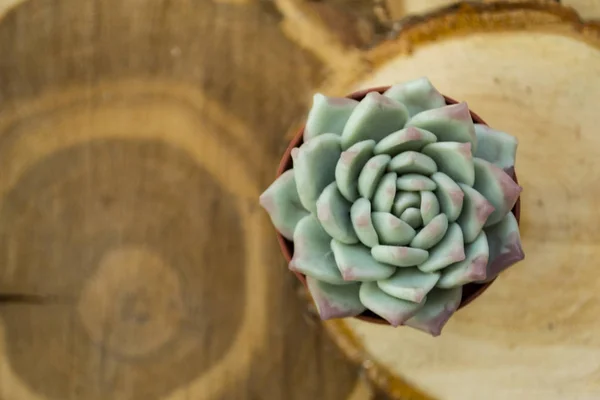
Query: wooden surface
534,72
135,263
135,137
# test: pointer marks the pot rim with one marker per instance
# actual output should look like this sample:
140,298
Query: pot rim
473,290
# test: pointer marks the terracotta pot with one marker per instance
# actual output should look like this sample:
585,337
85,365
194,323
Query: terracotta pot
470,291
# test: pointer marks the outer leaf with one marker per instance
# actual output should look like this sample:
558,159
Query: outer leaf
497,147
333,212
415,183
497,187
438,309
392,309
399,256
328,115
471,269
449,195
449,124
335,301
315,163
412,162
371,174
375,117
409,139
432,233
476,210
312,253
391,230
504,240
383,199
454,159
448,251
404,200
409,284
417,95
282,203
360,214
356,263
350,164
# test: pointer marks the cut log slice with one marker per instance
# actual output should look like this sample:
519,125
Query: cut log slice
531,69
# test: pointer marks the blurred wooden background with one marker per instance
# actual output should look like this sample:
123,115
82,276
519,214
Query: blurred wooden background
135,138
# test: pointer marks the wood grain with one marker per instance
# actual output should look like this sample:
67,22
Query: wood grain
532,69
134,261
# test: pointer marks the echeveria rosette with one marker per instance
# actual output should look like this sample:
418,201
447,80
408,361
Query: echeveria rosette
395,202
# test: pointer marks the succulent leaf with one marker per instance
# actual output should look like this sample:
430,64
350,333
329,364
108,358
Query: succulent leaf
437,310
448,251
399,256
449,195
350,165
471,269
430,207
314,163
412,216
356,263
335,301
282,203
409,139
476,210
415,183
371,174
451,123
391,230
390,308
375,117
383,199
454,159
432,233
360,214
405,200
328,115
412,162
409,284
504,241
333,212
497,147
497,187
417,95
312,252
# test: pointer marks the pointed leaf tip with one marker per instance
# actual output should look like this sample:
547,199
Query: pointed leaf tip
356,263
395,311
497,187
335,301
417,95
312,252
282,203
375,117
350,165
499,148
409,284
505,246
451,123
328,115
471,269
314,167
436,312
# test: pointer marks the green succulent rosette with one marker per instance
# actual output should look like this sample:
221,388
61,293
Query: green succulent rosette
395,202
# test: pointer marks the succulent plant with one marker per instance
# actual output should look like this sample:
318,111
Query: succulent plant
395,202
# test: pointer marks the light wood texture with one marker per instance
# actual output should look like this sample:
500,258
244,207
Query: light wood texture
533,71
135,263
